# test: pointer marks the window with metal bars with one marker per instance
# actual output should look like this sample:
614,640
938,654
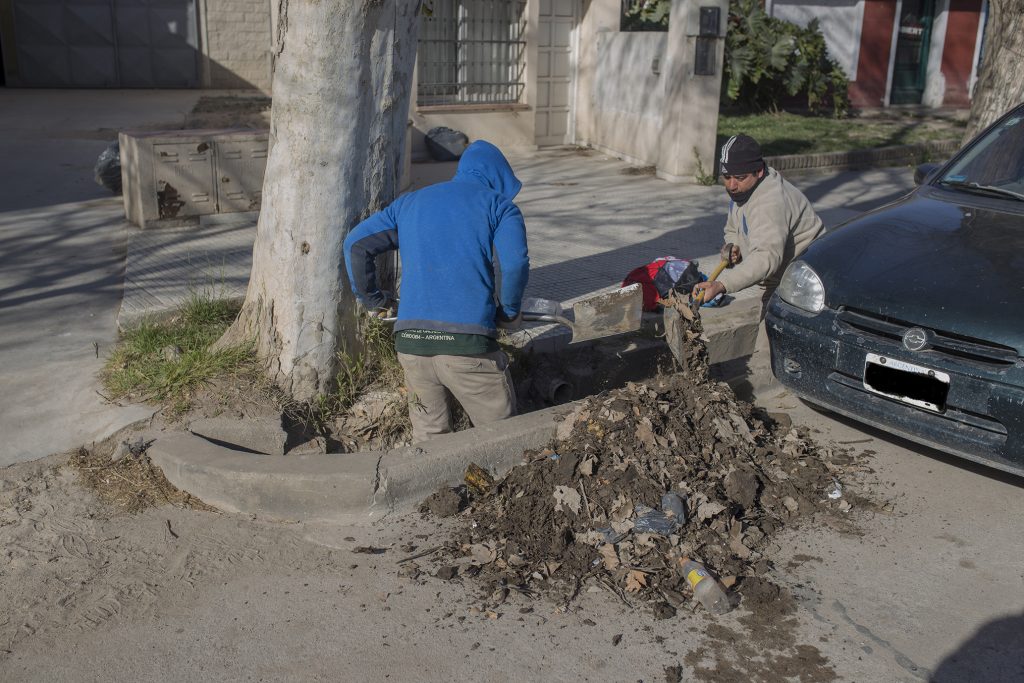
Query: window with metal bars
471,52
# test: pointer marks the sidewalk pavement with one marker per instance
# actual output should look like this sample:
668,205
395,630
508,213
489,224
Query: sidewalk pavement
71,265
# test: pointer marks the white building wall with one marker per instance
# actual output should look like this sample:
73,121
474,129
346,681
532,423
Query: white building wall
639,97
627,93
840,21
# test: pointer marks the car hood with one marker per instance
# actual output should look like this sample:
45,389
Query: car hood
944,265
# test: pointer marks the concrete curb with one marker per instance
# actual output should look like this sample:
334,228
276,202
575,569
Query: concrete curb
348,487
865,158
365,486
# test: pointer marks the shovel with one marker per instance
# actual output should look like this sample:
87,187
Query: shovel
604,314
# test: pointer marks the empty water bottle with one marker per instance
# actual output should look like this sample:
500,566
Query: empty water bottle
706,588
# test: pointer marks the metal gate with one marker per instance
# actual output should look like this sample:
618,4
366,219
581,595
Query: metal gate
106,43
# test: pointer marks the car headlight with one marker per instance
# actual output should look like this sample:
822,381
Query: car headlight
801,287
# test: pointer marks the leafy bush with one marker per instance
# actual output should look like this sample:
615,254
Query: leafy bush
768,60
644,15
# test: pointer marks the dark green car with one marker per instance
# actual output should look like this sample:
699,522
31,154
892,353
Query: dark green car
911,317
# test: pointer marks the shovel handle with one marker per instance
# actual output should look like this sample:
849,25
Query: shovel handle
711,278
528,316
547,318
717,271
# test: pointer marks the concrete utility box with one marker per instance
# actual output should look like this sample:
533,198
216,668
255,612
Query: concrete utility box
173,177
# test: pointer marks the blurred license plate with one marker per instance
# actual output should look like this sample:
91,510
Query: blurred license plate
914,384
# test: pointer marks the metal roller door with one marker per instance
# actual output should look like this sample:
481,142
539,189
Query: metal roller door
106,43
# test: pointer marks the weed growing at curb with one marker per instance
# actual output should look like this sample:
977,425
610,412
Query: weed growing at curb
168,360
701,176
377,366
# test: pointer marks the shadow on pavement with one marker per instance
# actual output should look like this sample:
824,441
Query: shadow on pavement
994,654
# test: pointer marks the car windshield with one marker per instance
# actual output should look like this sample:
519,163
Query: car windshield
995,165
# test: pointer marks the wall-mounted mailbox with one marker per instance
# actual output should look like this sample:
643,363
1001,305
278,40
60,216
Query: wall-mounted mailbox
704,63
709,20
176,176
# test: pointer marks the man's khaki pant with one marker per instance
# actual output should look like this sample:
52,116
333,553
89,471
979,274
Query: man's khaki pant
480,383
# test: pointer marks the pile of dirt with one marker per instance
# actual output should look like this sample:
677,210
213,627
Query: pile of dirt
592,509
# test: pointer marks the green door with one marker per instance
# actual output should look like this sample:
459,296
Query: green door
911,64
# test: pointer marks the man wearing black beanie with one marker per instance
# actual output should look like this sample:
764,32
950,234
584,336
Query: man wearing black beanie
770,222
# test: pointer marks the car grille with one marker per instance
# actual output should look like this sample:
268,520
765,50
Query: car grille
945,343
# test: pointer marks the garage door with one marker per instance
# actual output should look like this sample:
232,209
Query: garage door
106,43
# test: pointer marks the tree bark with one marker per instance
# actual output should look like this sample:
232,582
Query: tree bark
1000,86
342,74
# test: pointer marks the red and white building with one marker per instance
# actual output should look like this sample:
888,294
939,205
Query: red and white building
899,51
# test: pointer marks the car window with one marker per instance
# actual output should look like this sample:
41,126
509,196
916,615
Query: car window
996,161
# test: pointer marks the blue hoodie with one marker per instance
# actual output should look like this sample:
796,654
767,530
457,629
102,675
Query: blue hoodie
462,244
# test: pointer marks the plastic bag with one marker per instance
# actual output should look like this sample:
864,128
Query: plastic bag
107,171
665,521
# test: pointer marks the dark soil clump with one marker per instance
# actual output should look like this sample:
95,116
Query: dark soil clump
444,502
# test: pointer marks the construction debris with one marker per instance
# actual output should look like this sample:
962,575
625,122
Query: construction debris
645,476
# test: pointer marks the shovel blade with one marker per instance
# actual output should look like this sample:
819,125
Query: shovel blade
607,314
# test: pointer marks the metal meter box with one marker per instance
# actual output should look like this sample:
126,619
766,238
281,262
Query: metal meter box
183,179
240,167
173,177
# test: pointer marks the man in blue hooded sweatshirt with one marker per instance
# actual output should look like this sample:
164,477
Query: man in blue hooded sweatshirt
464,270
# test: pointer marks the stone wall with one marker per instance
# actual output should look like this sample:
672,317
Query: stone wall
236,43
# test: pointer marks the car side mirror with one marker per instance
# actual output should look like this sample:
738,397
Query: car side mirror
923,172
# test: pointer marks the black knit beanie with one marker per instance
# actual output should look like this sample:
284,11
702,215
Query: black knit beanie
740,154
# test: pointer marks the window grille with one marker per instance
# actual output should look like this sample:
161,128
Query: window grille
471,52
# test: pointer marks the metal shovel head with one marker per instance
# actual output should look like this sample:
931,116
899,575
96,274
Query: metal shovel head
607,314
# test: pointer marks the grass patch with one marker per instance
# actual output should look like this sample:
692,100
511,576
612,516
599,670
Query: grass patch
786,133
168,360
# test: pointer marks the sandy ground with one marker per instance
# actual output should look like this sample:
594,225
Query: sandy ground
933,591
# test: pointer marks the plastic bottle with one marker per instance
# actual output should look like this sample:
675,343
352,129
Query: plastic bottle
706,588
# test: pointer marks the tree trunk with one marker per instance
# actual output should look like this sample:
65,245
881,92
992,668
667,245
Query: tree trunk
343,69
1000,86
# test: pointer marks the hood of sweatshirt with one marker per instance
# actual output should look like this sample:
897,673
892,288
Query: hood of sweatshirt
484,163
